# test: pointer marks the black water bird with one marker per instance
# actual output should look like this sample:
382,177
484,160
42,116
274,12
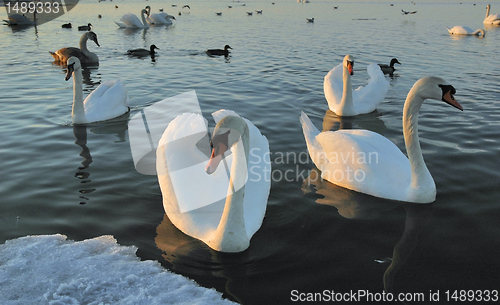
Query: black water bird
218,13
259,12
311,20
66,26
249,13
389,69
143,52
214,52
85,27
186,6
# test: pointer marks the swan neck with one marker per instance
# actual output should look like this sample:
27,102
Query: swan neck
78,111
231,232
346,104
144,22
420,174
487,11
83,43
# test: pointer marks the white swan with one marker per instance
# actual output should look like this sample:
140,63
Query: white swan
493,19
158,19
86,57
369,163
131,21
199,196
107,101
347,102
18,19
465,30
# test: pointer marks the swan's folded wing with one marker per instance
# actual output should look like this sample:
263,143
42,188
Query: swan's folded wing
368,97
107,101
131,20
364,161
65,53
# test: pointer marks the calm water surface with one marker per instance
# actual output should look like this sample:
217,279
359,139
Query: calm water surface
81,181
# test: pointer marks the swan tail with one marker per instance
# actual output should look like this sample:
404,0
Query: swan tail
310,131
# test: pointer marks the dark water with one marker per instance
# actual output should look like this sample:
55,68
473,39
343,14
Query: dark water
316,237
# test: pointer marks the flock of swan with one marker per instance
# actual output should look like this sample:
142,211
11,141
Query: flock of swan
147,19
229,224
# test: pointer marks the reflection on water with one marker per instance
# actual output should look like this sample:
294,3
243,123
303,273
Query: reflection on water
370,121
353,205
118,126
83,174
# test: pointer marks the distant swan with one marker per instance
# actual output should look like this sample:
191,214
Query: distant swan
158,19
227,223
86,57
347,102
493,19
345,156
465,30
131,21
107,101
389,69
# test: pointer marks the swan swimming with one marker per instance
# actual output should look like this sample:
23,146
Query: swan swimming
347,102
86,57
199,197
465,30
106,102
366,162
493,19
131,21
158,19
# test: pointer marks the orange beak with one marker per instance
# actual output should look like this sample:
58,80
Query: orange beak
350,67
450,99
215,158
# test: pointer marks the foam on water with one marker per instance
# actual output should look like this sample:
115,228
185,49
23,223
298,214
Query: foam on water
49,269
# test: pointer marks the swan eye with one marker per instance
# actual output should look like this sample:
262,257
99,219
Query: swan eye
448,89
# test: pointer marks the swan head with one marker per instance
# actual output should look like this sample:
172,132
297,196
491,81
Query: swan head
73,65
226,47
92,36
229,131
144,12
148,10
349,63
436,88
